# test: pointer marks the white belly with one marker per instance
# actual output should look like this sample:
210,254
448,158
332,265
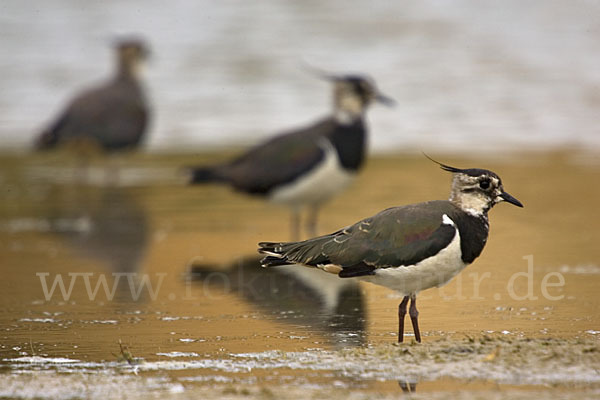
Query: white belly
434,271
325,180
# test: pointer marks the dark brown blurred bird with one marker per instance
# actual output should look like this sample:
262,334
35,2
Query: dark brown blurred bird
112,116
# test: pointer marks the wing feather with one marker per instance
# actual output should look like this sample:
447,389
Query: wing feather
279,160
395,237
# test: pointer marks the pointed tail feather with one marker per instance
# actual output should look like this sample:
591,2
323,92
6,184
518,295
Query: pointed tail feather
271,248
49,137
272,261
46,140
307,252
274,256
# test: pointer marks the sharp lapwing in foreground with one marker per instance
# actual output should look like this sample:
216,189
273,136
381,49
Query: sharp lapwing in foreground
112,116
409,248
305,167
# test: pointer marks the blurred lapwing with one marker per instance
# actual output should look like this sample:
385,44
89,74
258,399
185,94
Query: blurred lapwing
112,116
307,166
409,248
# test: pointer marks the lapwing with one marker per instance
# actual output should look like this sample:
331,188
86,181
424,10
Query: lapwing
112,116
306,167
409,248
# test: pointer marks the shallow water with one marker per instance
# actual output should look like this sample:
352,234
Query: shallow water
171,272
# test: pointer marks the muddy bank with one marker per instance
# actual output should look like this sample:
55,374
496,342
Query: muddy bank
206,321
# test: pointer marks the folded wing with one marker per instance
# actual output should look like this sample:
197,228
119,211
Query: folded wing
395,237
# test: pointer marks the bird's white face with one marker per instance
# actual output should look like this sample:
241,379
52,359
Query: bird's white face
139,68
476,194
475,190
351,98
352,95
132,58
348,104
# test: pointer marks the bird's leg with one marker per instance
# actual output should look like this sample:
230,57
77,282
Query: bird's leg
414,317
311,220
295,224
401,314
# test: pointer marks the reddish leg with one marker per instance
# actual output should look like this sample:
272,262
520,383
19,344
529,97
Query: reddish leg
401,314
414,317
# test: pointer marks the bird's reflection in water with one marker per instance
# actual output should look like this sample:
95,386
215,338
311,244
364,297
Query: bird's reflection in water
104,224
300,296
117,234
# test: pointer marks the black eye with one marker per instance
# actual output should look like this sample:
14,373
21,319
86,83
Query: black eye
484,184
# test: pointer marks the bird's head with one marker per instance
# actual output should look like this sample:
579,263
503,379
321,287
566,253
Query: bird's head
353,94
131,53
477,190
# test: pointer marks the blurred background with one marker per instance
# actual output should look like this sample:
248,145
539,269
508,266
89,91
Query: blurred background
513,86
467,75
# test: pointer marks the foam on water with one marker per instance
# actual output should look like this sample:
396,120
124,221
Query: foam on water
538,362
41,360
174,354
586,269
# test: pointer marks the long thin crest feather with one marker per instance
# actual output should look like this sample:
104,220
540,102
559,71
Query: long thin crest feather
444,166
318,72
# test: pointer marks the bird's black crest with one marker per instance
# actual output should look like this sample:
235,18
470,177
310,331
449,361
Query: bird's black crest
444,166
354,79
468,171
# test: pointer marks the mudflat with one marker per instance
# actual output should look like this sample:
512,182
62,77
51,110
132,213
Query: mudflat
122,250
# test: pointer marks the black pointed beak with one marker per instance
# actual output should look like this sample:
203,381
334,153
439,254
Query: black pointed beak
507,197
385,100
